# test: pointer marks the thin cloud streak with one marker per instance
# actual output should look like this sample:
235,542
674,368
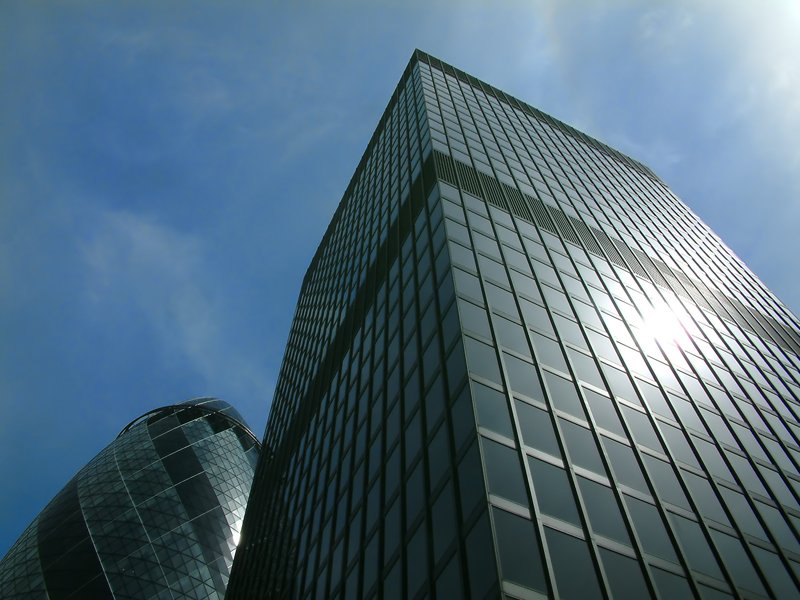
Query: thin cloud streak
136,261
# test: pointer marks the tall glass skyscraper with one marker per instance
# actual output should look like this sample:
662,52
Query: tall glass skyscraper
521,367
155,515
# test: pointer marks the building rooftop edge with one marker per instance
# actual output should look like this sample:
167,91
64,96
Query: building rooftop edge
569,129
194,402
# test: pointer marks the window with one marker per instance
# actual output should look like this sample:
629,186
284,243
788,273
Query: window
492,409
553,491
604,513
537,428
504,472
572,563
650,528
581,447
563,395
520,559
523,377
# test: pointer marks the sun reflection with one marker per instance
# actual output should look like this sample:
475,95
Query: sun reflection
663,325
235,537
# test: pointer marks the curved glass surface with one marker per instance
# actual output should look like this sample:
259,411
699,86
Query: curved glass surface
156,514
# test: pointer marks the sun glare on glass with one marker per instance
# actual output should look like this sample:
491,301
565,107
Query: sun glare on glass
661,324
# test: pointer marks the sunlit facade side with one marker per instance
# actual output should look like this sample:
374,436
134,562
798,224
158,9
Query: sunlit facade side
156,514
521,367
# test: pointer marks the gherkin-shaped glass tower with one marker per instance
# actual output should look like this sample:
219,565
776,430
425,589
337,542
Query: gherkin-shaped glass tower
156,514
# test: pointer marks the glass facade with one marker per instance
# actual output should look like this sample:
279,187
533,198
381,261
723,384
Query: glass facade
157,514
521,367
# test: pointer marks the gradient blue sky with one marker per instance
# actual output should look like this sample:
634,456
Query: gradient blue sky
167,170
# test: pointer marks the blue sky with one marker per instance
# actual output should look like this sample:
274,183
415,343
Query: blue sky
167,170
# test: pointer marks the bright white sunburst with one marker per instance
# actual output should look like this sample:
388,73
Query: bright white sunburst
662,325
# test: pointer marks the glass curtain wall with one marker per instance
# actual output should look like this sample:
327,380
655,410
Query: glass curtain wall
521,366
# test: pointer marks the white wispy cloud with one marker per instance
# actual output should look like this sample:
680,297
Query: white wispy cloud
136,261
665,27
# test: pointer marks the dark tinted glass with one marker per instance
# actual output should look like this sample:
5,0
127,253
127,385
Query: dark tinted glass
572,563
520,559
553,491
504,472
537,428
624,576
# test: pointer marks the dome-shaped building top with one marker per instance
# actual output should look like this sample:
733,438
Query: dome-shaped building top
156,514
